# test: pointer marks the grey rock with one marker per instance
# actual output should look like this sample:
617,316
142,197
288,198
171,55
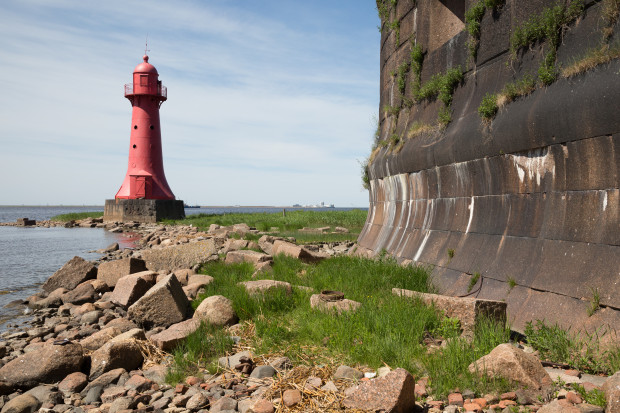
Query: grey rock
163,305
217,310
46,394
92,317
223,404
93,395
104,380
74,272
122,351
261,372
122,403
232,361
349,373
110,272
48,365
24,403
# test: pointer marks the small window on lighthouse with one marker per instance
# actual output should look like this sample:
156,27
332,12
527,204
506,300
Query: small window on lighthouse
144,80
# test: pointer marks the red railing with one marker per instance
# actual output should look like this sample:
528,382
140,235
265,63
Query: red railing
161,90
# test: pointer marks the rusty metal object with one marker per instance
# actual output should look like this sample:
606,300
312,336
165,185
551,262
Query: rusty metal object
329,295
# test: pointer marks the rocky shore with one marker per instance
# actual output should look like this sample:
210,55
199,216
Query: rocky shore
101,333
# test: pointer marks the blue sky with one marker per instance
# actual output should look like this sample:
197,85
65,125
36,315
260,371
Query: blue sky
269,102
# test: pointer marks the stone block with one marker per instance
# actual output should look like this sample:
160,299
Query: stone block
74,272
129,289
250,256
295,251
168,339
111,271
163,305
179,256
262,286
468,310
393,393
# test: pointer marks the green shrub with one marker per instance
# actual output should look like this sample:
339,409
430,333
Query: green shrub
547,72
488,107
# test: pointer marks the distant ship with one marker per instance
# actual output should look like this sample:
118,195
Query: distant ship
191,206
321,205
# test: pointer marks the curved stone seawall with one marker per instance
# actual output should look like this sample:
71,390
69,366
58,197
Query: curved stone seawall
529,200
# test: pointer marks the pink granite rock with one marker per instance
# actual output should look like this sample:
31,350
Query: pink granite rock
393,392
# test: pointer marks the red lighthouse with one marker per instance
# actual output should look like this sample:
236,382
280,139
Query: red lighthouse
145,174
145,194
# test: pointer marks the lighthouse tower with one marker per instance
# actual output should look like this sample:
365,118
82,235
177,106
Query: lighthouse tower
144,195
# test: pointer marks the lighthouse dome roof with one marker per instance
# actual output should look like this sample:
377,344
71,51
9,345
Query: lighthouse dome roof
145,66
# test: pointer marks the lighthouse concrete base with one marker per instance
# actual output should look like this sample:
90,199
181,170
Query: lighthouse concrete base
142,210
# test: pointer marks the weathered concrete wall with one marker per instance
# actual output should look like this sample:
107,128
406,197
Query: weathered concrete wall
530,200
142,210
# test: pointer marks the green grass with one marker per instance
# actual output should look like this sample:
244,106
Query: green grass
545,26
595,302
582,351
547,72
199,351
488,107
386,329
595,396
74,216
591,59
292,221
473,281
448,369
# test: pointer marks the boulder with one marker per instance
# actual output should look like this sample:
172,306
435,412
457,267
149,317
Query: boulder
266,243
232,361
262,286
129,289
103,380
199,279
217,310
98,339
24,403
50,364
348,373
81,294
232,244
295,251
179,256
338,306
163,305
250,256
122,324
183,275
168,339
192,290
73,383
74,272
111,271
149,276
466,309
611,388
122,351
392,393
513,364
291,397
